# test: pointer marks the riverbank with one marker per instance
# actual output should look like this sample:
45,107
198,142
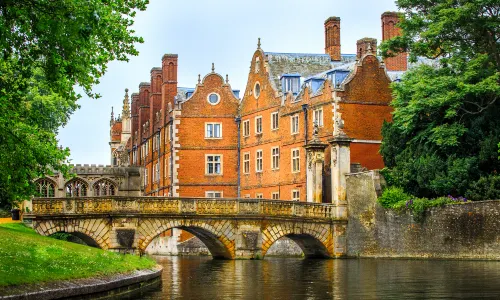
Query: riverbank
28,258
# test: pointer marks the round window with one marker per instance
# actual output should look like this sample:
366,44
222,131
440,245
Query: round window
256,90
213,98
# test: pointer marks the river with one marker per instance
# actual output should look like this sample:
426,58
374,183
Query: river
290,278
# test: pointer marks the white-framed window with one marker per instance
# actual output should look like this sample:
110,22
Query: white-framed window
167,134
166,173
213,164
274,121
158,136
154,173
275,158
246,196
134,156
158,171
258,125
294,124
318,117
295,160
258,161
213,130
295,195
246,162
213,98
246,128
213,194
146,177
259,196
276,195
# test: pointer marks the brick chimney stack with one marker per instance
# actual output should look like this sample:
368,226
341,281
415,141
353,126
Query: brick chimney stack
332,37
389,30
169,85
366,45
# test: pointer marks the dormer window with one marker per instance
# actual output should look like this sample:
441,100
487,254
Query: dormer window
314,84
336,77
290,83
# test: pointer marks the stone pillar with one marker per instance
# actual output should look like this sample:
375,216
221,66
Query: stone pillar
315,150
340,165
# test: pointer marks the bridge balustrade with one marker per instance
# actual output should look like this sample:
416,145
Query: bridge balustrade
181,206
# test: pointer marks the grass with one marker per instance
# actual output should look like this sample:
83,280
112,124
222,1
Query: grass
27,257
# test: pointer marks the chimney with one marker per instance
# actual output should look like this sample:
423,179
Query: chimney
332,37
169,85
364,46
389,30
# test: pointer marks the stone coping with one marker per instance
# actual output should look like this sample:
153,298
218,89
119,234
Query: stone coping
120,283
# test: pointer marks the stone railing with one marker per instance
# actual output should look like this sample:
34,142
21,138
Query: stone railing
181,206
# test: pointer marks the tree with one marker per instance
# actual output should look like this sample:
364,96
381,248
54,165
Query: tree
445,128
47,48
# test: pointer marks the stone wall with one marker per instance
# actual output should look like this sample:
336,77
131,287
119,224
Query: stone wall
470,230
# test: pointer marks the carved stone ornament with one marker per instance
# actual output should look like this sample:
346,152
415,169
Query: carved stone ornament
334,157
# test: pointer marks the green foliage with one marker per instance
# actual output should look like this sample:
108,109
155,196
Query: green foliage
47,49
393,195
445,131
486,188
63,236
395,198
26,257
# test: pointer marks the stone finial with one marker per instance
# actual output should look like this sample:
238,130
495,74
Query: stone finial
199,79
213,68
258,43
112,117
126,106
227,79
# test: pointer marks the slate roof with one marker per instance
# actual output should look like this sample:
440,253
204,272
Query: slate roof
306,64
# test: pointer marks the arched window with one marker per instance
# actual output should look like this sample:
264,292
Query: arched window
76,188
45,188
104,187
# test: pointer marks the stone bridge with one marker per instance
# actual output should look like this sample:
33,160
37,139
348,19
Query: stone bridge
230,228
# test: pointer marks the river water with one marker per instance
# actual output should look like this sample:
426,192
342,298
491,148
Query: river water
291,278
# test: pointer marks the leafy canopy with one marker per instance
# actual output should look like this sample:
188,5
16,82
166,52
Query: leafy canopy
47,48
445,129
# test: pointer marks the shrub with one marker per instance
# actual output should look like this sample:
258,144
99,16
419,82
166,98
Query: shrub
393,196
486,188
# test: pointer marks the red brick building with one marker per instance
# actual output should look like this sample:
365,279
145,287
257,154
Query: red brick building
206,142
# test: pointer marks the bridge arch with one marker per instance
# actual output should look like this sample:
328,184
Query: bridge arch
95,232
315,240
214,234
89,241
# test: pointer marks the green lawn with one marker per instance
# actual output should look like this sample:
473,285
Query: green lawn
26,257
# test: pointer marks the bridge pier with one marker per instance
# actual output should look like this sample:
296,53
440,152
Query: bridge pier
248,242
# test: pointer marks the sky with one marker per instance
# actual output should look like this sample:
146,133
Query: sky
223,32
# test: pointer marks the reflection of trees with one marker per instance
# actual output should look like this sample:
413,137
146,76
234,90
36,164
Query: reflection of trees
287,278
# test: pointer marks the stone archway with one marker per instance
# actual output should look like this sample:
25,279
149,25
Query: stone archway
95,231
217,235
315,240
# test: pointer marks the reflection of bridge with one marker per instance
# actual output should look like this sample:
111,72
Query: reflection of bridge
230,228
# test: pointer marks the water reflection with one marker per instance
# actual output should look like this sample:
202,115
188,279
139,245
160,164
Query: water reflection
204,278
